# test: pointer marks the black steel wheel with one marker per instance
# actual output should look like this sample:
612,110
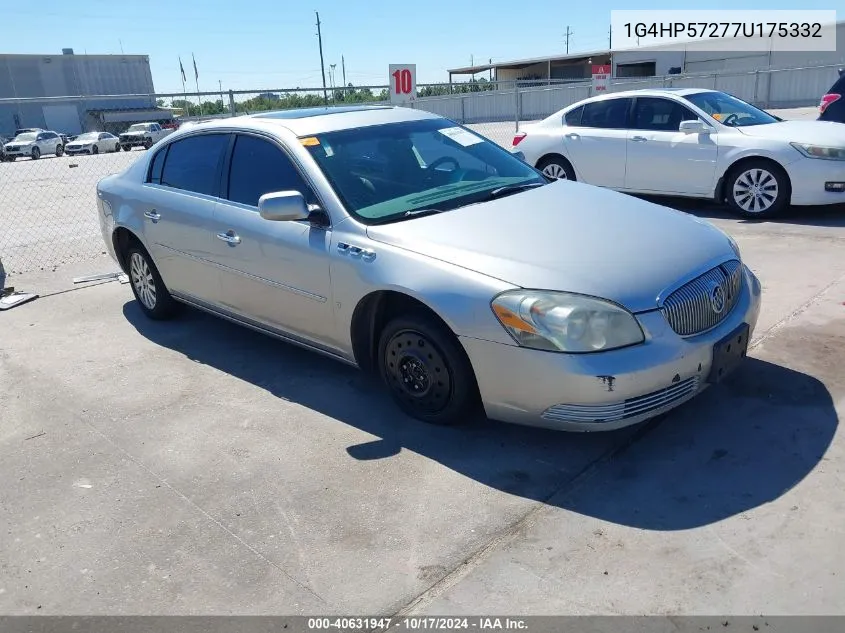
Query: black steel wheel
426,371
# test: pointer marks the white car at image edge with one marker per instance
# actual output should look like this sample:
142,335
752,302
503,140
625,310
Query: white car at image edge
694,143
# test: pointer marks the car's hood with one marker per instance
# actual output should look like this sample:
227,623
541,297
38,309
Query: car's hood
135,133
20,143
825,133
572,237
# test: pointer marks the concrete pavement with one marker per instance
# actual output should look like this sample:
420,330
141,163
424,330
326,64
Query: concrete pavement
195,467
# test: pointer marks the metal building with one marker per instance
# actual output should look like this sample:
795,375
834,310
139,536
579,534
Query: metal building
71,93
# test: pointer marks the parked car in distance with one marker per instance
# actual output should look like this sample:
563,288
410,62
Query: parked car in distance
93,143
400,242
832,105
691,142
142,135
35,145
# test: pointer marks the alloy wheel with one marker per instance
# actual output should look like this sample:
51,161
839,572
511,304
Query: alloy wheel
755,190
142,280
554,170
417,372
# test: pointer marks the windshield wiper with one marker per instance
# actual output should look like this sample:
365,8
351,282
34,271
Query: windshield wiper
416,213
509,189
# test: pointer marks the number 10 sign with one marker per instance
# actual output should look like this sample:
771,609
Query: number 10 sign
403,83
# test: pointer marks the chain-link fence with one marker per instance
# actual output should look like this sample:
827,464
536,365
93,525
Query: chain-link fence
48,205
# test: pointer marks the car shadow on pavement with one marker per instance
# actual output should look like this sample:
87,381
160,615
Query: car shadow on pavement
828,215
735,447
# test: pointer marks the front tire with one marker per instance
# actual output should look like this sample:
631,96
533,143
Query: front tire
60,149
95,149
148,287
426,370
127,148
556,168
148,143
36,153
757,189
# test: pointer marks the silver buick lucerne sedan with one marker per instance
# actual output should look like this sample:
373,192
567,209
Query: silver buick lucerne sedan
400,242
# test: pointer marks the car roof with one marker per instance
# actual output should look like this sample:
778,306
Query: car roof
307,121
656,92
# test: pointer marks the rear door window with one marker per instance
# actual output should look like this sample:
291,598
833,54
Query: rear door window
573,117
608,114
193,163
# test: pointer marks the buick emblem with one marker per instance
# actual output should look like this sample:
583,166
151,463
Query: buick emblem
717,298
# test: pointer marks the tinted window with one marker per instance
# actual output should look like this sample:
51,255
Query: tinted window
260,167
156,167
660,114
609,113
193,163
573,117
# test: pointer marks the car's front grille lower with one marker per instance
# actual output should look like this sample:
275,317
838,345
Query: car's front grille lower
630,408
705,301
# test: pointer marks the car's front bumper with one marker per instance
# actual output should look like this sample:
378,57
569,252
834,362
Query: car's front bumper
808,177
620,387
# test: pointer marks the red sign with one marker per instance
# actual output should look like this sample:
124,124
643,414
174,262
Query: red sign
601,77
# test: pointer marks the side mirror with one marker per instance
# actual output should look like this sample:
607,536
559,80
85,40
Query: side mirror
696,126
283,206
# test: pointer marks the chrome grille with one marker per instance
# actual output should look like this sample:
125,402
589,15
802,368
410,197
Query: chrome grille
691,309
632,407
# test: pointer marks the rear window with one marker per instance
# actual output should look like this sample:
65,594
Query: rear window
573,117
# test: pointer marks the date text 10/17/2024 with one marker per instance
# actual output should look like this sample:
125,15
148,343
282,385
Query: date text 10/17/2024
421,623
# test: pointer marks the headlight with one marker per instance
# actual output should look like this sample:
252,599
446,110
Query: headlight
817,151
564,322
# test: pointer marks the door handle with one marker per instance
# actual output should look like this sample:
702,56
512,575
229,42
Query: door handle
153,215
639,139
572,135
230,237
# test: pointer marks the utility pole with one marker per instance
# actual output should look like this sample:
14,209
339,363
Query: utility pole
568,35
322,65
331,81
610,38
343,68
490,61
222,103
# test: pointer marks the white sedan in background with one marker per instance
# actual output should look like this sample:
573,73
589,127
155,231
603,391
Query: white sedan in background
691,142
93,143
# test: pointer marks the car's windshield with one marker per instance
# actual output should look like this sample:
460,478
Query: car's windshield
382,172
138,127
729,110
88,136
26,136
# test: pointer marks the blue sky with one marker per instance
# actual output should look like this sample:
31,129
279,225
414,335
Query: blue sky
265,44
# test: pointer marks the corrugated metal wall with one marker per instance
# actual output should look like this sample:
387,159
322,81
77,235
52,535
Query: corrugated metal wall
28,76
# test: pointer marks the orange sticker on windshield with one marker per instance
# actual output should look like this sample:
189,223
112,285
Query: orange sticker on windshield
310,141
717,116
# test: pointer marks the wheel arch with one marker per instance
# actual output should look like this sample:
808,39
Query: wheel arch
720,194
372,313
122,239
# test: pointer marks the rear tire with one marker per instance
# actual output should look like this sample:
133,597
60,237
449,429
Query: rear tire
557,168
757,189
147,285
426,370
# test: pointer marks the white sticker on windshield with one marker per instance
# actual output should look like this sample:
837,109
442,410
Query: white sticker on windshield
459,135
